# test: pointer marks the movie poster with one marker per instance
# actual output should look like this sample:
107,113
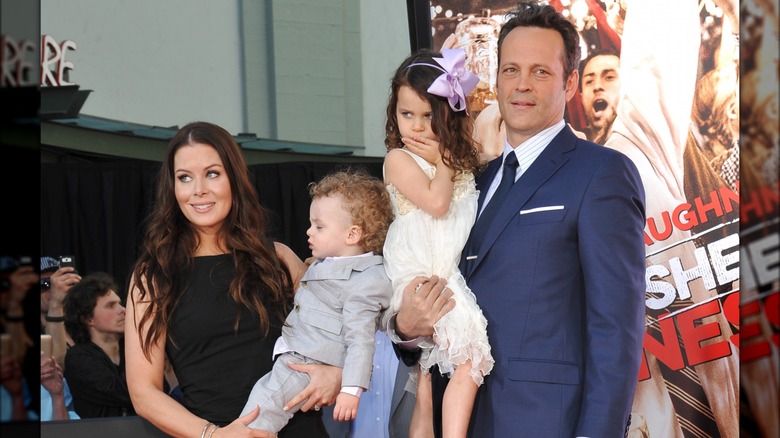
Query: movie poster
759,225
659,82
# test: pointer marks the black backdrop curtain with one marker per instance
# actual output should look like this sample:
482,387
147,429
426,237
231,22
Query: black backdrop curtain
96,210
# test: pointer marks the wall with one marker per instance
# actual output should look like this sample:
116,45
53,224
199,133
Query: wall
156,63
304,70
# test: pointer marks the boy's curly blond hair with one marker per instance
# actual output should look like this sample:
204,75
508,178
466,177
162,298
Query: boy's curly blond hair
366,200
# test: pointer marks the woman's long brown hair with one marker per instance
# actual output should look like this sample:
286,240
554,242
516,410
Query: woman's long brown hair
262,282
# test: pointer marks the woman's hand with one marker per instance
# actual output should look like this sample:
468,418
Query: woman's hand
324,386
240,428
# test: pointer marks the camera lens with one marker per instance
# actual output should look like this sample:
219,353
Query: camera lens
45,284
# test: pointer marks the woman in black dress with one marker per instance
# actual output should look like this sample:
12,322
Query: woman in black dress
209,291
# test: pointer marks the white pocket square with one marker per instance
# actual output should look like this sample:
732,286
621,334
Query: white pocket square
538,209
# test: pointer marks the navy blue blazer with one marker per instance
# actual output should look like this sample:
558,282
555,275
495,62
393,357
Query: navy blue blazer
560,278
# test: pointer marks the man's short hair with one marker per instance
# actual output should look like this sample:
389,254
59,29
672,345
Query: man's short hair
594,54
80,303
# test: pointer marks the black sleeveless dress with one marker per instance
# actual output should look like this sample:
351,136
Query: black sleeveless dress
216,366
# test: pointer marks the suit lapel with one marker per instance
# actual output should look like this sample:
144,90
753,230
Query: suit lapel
549,161
483,184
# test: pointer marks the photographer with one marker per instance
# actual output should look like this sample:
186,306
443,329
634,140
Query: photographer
56,280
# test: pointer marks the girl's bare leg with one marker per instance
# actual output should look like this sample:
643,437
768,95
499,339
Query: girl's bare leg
458,402
421,425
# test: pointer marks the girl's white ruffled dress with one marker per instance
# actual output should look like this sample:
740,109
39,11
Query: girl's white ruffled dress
420,244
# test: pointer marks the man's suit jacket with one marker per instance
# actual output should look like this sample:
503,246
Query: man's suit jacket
401,408
402,404
560,277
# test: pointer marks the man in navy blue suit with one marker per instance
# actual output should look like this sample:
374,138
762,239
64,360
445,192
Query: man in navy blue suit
557,263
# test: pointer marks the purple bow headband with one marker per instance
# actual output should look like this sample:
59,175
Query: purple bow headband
456,82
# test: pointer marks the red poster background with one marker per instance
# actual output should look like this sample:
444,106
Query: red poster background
679,109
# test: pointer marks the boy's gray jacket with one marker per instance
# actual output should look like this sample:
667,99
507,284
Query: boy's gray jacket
336,312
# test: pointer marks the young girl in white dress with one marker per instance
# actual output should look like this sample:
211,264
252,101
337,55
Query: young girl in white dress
434,199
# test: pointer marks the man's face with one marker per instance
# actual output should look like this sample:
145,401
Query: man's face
601,90
109,315
532,87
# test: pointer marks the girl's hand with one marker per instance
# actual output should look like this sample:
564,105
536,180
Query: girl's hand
426,148
324,386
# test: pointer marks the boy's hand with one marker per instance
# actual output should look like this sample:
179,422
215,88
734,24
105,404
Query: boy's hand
346,407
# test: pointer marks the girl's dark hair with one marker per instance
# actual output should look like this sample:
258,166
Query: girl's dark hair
79,304
452,128
262,281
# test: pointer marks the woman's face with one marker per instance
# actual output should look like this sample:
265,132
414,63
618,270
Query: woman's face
202,187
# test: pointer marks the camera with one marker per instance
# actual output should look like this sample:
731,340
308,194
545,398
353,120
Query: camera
68,261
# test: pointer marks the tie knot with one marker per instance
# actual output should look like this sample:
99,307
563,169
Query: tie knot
511,161
510,168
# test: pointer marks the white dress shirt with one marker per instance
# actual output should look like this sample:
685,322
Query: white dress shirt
527,152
